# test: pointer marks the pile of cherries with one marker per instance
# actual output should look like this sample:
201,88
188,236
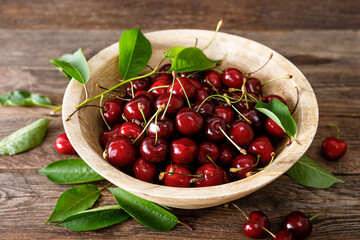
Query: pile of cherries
184,129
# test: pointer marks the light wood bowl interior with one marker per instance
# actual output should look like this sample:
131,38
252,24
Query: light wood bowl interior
85,127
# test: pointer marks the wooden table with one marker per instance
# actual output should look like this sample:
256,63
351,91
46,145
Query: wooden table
322,39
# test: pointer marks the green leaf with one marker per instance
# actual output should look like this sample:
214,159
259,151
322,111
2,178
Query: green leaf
73,66
74,200
70,171
134,53
311,174
144,211
280,114
25,138
95,218
192,59
23,98
172,52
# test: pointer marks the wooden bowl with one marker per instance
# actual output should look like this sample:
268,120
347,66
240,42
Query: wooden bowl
86,126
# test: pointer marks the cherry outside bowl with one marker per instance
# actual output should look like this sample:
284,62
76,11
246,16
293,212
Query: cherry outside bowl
85,127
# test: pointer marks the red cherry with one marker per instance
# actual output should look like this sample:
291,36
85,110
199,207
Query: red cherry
253,86
201,94
154,152
251,227
183,151
132,130
206,107
63,145
178,90
145,93
227,154
273,129
120,151
211,79
256,118
227,176
241,133
271,97
297,223
165,67
211,175
139,84
197,85
225,113
175,177
212,130
207,149
132,111
112,111
262,146
188,121
158,83
107,134
333,148
165,128
144,170
284,235
241,105
232,78
246,163
176,103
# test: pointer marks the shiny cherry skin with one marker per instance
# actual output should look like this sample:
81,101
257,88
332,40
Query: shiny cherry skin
176,103
247,162
183,151
206,107
165,67
132,111
212,175
190,75
232,78
158,83
241,105
211,79
112,111
165,128
298,224
196,83
269,98
253,85
144,170
333,148
207,149
177,179
145,93
139,84
284,235
227,176
273,129
241,133
132,130
225,113
63,145
179,91
212,130
251,227
188,121
227,152
154,152
263,147
201,94
121,152
107,134
256,118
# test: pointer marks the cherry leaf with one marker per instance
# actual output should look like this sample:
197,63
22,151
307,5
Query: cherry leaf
172,52
23,99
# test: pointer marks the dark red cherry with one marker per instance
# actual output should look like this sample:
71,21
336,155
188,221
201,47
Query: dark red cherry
256,118
120,151
201,94
246,163
225,113
145,93
262,146
273,129
241,133
139,84
196,83
190,75
112,111
188,121
178,90
206,107
297,223
251,227
211,79
176,103
159,83
177,176
333,148
212,130
183,151
253,86
154,152
232,78
144,170
165,67
271,97
165,128
132,130
241,105
211,175
132,111
107,134
227,154
63,145
227,176
284,235
163,77
206,150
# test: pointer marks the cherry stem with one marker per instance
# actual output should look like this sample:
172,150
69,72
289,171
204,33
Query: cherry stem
170,96
267,61
156,131
274,79
337,129
239,169
272,159
217,70
216,31
182,174
186,96
102,114
297,100
196,42
106,186
132,90
103,88
316,215
187,226
140,107
150,67
211,96
86,92
56,110
266,230
69,117
157,87
246,217
243,151
241,114
213,87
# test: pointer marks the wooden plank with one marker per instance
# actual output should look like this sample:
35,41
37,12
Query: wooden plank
27,200
241,15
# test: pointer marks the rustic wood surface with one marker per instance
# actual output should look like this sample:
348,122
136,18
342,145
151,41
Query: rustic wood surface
321,39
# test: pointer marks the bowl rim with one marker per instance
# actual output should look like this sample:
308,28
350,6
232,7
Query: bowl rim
187,197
